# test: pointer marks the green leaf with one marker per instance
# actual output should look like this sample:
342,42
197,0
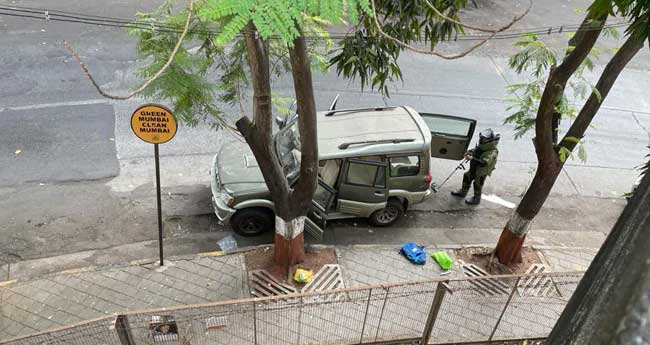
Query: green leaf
582,153
563,154
572,139
351,59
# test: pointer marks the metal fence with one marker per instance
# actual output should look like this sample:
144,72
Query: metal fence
435,312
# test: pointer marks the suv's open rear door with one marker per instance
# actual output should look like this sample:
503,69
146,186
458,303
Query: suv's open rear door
317,214
450,135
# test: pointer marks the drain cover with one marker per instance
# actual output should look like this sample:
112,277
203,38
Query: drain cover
329,277
263,284
537,286
485,287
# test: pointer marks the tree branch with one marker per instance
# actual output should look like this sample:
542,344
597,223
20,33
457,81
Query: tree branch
558,77
148,82
449,19
583,41
434,53
258,134
303,190
258,61
612,70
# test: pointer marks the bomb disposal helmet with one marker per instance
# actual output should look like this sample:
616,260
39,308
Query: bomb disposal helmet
488,135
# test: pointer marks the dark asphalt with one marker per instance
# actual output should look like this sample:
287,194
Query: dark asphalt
69,143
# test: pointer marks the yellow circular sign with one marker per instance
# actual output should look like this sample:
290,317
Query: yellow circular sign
154,124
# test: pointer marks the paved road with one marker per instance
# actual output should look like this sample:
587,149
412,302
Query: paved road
86,181
58,144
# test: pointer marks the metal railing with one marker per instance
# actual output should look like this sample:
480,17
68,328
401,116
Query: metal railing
439,311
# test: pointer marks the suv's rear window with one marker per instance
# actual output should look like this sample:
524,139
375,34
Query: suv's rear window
404,166
365,175
447,126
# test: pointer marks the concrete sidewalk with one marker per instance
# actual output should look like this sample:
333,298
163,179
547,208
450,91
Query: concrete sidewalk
72,296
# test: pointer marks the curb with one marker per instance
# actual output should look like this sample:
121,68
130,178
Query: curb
139,262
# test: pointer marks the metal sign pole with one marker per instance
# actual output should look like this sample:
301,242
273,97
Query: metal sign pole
160,226
155,124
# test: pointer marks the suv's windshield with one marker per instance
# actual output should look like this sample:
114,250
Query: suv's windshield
287,145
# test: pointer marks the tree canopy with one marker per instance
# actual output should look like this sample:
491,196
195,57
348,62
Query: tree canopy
373,58
277,18
214,46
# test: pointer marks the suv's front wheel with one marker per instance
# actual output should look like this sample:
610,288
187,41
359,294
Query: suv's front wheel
252,221
389,215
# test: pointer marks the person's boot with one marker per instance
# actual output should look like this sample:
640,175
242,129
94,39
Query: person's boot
461,193
475,200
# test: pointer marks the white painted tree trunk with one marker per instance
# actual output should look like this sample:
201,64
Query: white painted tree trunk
518,225
291,229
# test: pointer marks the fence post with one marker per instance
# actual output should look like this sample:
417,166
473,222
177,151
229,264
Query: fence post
302,305
381,315
441,289
365,316
514,288
123,330
254,323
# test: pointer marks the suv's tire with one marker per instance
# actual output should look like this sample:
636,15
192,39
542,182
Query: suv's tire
389,215
252,221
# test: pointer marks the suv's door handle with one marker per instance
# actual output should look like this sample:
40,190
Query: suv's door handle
379,193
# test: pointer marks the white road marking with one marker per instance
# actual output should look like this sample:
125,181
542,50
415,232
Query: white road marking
57,104
495,199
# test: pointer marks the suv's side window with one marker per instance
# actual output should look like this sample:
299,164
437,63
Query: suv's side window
365,175
404,165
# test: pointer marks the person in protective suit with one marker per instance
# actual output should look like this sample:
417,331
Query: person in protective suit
483,160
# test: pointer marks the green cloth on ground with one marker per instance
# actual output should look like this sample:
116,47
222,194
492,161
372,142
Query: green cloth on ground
443,259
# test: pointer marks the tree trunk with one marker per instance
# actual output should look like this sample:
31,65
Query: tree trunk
291,202
557,119
508,249
289,241
258,134
512,237
611,304
289,228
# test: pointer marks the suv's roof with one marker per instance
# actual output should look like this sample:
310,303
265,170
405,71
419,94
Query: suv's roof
374,124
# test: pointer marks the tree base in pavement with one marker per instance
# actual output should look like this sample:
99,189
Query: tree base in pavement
289,252
508,248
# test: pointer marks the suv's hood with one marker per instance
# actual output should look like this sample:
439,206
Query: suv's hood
238,169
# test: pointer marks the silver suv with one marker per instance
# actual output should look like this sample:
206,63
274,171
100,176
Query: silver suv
374,163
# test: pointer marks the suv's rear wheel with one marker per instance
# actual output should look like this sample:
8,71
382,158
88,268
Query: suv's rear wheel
252,221
389,215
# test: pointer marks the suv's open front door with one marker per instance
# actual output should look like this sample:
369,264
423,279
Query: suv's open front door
317,214
450,135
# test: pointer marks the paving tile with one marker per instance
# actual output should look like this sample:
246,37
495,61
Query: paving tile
567,260
24,317
116,292
91,296
367,266
61,299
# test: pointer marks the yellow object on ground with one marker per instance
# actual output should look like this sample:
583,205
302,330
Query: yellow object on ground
303,276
